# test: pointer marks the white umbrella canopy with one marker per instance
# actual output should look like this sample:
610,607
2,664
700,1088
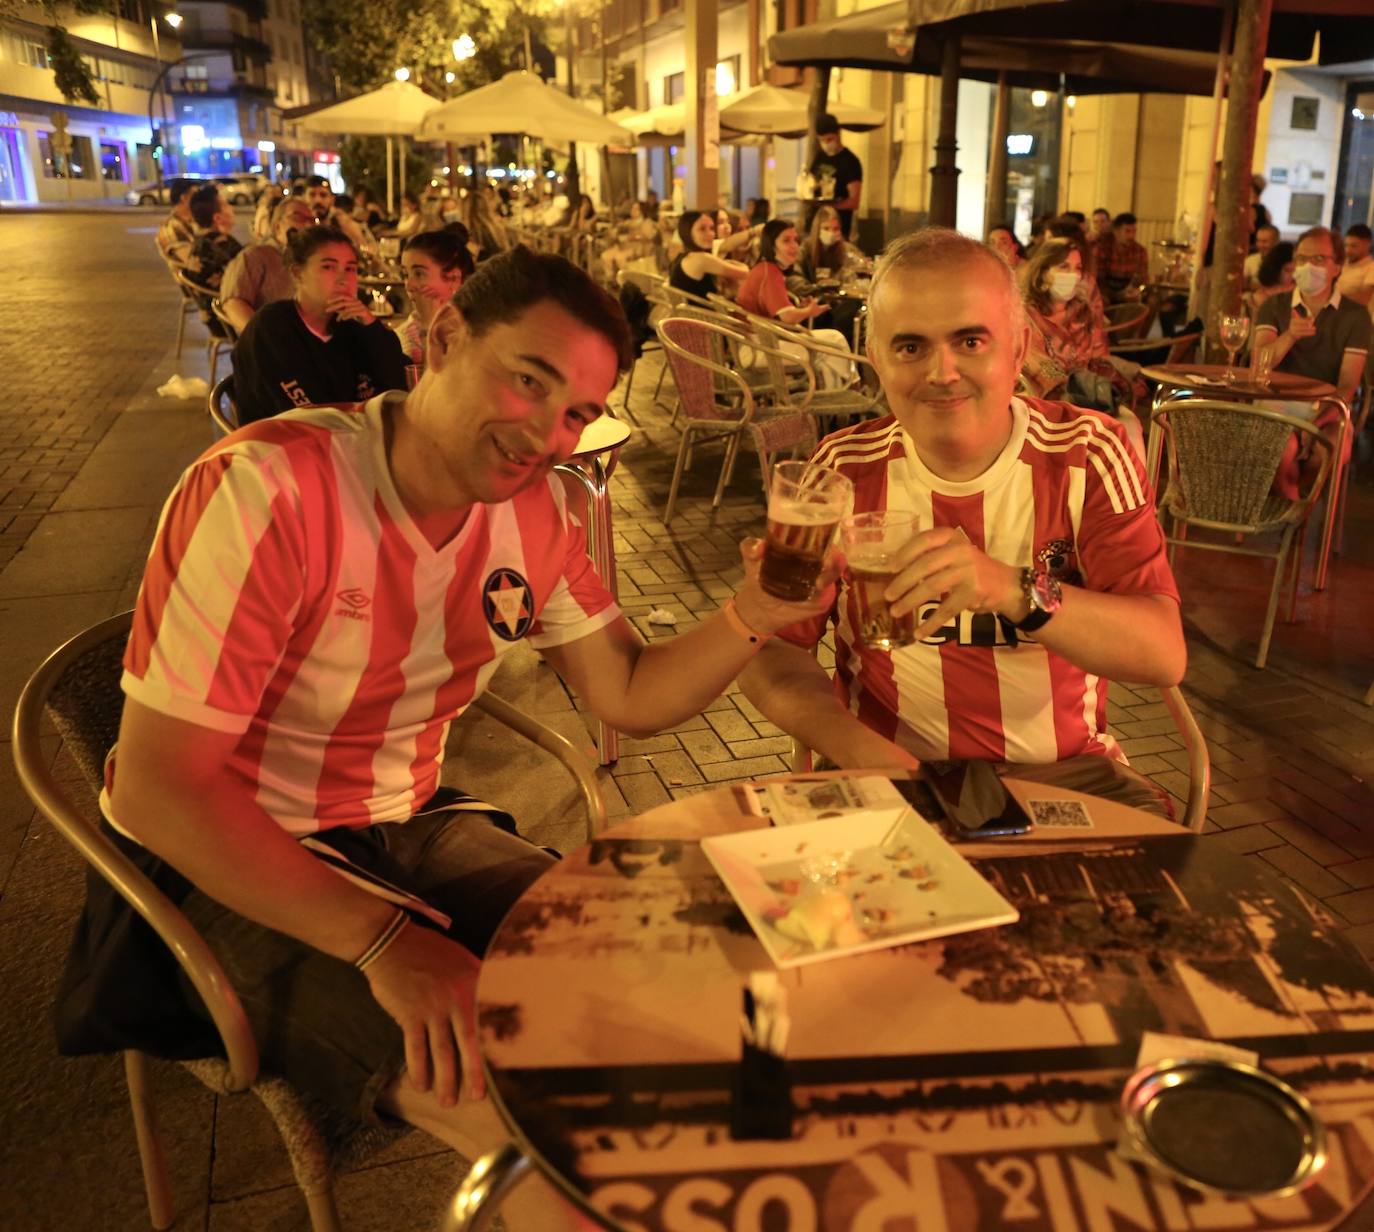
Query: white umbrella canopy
765,111
783,113
396,109
521,102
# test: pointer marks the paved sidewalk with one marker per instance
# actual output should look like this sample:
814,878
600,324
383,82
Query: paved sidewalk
89,456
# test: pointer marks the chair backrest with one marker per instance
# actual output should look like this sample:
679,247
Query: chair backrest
1122,318
1223,458
224,415
693,346
230,329
77,686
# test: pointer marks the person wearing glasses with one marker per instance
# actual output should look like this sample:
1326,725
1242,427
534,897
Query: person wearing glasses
1316,332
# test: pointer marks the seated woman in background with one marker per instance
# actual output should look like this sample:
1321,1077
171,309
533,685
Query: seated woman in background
635,239
366,211
435,265
1068,356
826,251
764,293
1003,239
322,347
696,268
412,220
487,232
262,214
1275,274
733,235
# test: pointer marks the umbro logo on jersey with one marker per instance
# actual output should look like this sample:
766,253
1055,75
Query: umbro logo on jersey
356,600
507,604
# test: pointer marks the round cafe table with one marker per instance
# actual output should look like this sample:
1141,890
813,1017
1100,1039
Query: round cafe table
956,1085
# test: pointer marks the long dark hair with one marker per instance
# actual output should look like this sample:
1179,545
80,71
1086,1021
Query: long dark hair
684,230
447,249
773,231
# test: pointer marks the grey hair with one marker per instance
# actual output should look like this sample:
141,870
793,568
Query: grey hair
1324,233
933,248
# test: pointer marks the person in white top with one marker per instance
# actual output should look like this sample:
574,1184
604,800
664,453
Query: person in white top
326,591
1357,277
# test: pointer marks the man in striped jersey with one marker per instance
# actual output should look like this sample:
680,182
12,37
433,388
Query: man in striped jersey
326,591
1039,570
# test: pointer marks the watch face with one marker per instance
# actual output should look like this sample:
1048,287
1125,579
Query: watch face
1045,593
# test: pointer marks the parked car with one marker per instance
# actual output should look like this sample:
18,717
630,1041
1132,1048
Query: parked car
243,188
153,193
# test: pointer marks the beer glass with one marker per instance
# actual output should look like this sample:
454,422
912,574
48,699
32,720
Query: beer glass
1261,362
805,504
413,374
871,542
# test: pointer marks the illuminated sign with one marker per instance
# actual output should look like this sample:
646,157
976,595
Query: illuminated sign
225,143
267,147
192,138
1020,144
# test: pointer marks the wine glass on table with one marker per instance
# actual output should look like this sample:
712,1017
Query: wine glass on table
1235,329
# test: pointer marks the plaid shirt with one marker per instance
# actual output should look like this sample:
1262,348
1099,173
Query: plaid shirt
1120,263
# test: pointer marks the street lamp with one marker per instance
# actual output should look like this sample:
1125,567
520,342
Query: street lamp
464,48
174,20
450,77
402,74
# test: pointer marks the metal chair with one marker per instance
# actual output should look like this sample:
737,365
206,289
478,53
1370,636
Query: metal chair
1124,319
1222,461
215,344
195,294
834,405
1194,743
77,686
188,301
224,415
718,402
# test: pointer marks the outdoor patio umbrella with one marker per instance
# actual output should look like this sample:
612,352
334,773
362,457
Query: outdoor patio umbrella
522,102
397,109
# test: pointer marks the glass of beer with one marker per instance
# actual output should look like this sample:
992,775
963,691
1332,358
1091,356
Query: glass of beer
805,504
871,542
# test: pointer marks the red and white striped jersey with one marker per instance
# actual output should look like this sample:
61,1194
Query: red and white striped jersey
1066,494
289,597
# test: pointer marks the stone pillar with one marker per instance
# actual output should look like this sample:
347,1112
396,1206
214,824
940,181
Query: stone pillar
702,110
995,199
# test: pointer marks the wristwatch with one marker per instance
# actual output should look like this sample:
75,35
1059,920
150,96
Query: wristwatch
1044,594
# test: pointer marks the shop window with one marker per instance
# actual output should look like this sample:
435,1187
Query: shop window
112,163
79,164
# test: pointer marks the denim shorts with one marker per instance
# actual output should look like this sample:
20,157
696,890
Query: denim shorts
313,1016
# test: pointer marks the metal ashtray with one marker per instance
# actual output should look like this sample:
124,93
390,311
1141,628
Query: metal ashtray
1223,1127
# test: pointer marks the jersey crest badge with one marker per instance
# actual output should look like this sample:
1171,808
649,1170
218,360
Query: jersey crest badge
507,604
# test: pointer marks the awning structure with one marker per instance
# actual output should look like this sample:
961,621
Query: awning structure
397,109
521,102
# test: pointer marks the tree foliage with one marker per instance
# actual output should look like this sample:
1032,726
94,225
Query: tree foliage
71,73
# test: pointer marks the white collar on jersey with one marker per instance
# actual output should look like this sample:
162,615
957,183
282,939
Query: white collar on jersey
921,476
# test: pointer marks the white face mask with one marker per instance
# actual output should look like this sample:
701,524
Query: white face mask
1063,283
829,236
1311,279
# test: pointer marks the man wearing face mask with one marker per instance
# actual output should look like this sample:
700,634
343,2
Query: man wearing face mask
1316,331
836,172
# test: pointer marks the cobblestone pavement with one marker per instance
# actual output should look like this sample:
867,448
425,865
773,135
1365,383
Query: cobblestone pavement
84,317
90,451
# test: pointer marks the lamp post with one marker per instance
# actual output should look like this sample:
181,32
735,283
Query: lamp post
174,20
463,49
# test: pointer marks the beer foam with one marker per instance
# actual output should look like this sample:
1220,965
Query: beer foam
804,515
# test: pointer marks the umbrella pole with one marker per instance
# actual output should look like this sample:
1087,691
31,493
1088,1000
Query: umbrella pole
400,164
995,199
1209,200
944,176
1237,155
390,191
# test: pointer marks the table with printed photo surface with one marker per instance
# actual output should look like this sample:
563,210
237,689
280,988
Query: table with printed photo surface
959,1084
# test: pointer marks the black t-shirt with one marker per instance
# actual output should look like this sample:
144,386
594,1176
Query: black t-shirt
279,364
845,166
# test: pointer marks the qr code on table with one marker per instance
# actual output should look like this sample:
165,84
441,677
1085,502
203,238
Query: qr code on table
1060,814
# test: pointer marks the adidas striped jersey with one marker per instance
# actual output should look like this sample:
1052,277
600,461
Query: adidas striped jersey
290,598
1066,494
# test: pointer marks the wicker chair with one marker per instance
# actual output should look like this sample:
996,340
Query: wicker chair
188,301
216,344
224,415
1124,319
835,406
77,686
1222,461
717,402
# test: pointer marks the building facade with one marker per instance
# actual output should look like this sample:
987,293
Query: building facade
111,142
